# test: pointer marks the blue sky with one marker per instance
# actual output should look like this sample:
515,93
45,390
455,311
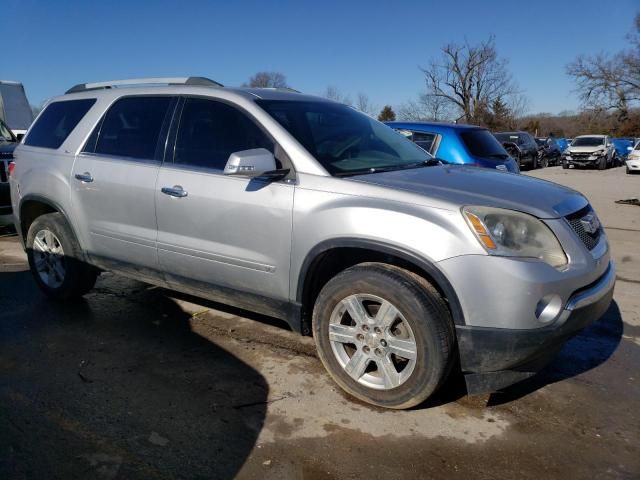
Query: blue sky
358,46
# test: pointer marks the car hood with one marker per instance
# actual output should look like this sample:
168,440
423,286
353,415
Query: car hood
585,149
456,186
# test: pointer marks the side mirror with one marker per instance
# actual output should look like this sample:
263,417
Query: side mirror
258,162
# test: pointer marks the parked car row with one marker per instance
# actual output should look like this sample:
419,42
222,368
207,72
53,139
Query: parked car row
474,146
388,257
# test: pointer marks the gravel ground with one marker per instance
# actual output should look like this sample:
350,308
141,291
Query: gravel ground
139,382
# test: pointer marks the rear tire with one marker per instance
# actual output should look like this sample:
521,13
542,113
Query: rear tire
56,259
396,359
534,162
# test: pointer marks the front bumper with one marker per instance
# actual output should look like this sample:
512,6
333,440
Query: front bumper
633,165
582,161
493,358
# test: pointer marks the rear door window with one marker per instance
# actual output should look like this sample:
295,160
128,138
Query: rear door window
56,122
132,128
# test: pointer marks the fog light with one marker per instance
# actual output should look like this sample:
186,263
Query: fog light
548,308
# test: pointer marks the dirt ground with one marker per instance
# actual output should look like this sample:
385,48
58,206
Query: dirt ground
139,382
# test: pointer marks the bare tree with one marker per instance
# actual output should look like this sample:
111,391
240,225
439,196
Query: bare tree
469,77
333,93
267,80
426,107
364,104
610,82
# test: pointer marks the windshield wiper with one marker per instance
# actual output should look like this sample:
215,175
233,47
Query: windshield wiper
406,166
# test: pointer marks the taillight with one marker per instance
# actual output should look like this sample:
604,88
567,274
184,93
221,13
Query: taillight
11,168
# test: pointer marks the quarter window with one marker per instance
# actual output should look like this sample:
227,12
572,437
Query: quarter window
424,140
210,131
56,123
131,128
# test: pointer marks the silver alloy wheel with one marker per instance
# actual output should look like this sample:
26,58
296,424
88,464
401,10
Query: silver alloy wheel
372,341
48,258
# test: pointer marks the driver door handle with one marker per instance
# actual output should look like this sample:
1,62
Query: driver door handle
84,177
175,191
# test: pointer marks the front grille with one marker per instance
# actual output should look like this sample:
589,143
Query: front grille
590,240
580,156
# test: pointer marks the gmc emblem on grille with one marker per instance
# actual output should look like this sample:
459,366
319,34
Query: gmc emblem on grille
590,223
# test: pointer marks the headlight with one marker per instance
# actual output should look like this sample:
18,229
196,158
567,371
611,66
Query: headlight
514,234
598,152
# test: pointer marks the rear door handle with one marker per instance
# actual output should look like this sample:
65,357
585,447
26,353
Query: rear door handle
84,177
175,191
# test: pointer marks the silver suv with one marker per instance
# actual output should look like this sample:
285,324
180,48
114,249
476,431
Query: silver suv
303,209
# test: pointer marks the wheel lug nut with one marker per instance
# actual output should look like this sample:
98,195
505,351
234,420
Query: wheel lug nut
366,349
365,328
378,352
377,330
383,342
360,337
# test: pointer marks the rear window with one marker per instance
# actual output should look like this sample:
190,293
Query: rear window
480,143
56,123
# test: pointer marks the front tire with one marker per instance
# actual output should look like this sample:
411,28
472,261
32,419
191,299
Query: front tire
384,334
544,162
602,164
56,259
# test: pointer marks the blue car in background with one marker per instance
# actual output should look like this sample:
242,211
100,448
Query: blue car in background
623,147
458,144
563,143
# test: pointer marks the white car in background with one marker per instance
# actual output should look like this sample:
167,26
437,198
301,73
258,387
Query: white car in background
595,151
633,160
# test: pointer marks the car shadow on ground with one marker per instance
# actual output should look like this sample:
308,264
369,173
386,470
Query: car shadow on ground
118,385
586,351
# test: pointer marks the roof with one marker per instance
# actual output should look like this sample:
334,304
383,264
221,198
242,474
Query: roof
584,136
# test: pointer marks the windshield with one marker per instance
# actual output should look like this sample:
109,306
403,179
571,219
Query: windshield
343,140
481,143
587,142
5,133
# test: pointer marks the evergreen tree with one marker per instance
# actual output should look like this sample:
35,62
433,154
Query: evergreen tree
387,114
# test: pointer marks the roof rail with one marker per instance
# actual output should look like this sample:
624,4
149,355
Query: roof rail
201,81
279,89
